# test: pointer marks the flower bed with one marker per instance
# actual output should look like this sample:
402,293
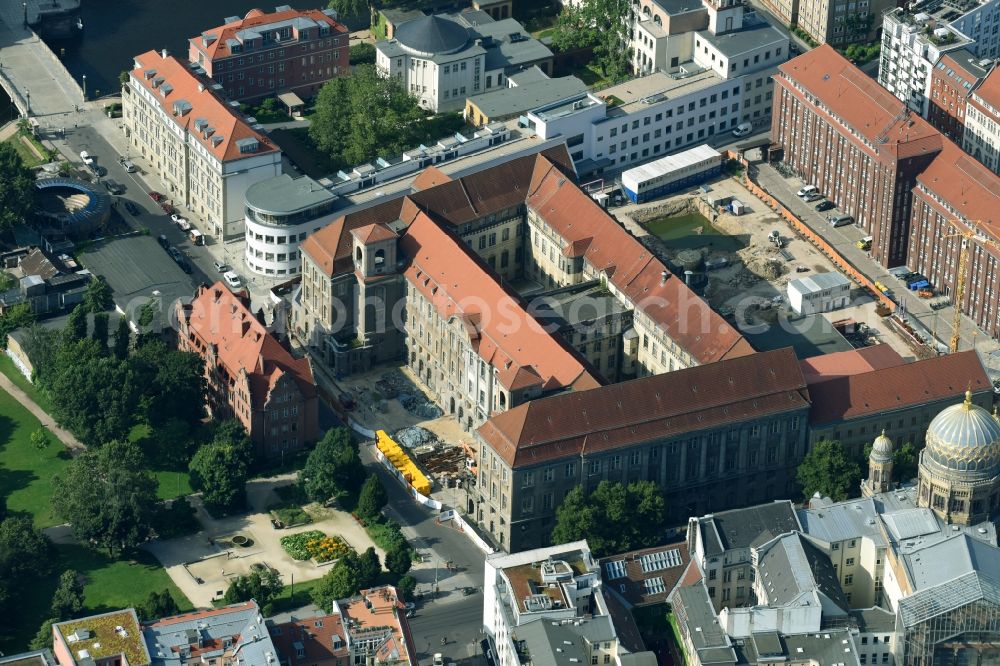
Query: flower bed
316,546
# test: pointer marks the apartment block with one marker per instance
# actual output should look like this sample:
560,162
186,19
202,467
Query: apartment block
840,23
916,36
714,437
953,79
982,123
859,145
265,55
250,376
199,146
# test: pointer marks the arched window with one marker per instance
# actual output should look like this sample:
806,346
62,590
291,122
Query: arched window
379,257
657,20
357,254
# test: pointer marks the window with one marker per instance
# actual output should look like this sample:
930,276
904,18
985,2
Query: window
849,579
835,546
849,562
570,470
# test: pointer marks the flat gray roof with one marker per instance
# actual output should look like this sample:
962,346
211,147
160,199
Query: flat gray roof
283,194
657,87
739,42
508,102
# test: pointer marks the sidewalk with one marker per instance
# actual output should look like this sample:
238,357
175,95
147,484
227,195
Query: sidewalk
71,442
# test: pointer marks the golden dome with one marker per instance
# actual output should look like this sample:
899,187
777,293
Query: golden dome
963,442
881,449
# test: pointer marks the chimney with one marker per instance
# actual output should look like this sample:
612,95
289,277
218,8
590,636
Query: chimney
687,277
164,53
201,87
663,277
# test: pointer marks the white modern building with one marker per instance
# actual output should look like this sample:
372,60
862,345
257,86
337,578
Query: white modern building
205,153
443,59
981,137
547,606
701,82
822,292
914,38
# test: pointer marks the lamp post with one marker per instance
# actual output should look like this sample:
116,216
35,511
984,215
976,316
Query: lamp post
27,96
84,87
25,6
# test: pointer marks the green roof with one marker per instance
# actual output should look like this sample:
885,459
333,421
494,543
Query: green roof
108,635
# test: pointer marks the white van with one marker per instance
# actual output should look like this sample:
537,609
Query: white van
742,129
806,190
87,159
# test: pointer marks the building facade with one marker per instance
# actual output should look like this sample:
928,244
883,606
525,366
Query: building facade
863,149
915,37
982,123
953,79
837,23
205,153
443,59
265,55
250,376
701,454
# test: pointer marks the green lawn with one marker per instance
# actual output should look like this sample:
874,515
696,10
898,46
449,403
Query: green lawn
25,472
591,75
8,368
110,585
27,155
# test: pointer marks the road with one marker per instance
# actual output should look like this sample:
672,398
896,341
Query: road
447,621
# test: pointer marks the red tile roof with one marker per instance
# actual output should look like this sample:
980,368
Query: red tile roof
189,100
860,102
503,333
897,387
989,89
588,231
966,186
241,342
255,18
315,635
429,177
641,410
851,362
373,233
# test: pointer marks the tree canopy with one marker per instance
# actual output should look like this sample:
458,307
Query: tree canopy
348,8
97,297
18,196
905,458
107,497
158,605
342,581
601,24
614,518
220,468
372,498
67,600
261,585
14,318
333,469
829,471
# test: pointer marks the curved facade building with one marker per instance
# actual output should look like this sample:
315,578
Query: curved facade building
280,213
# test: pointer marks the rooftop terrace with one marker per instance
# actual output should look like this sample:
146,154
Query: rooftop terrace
105,635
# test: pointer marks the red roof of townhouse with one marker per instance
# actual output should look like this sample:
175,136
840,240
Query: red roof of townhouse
989,90
242,343
650,408
966,186
897,387
320,639
190,102
379,608
589,232
850,362
215,43
861,103
502,332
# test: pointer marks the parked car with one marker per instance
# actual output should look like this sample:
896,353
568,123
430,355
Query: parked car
132,208
232,279
175,253
742,129
221,266
164,242
806,189
185,266
841,220
128,165
812,196
824,205
114,186
155,196
176,217
86,157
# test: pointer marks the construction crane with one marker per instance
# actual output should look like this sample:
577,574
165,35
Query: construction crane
967,235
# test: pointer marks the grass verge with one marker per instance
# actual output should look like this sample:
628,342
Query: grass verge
25,471
8,368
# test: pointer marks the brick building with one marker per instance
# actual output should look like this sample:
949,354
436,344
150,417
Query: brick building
982,122
957,187
953,78
857,143
264,55
716,436
250,376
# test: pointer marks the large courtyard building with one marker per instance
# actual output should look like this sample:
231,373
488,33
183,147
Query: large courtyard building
443,59
915,37
251,377
715,436
476,263
265,55
201,148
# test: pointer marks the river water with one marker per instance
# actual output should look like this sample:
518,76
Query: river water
116,30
